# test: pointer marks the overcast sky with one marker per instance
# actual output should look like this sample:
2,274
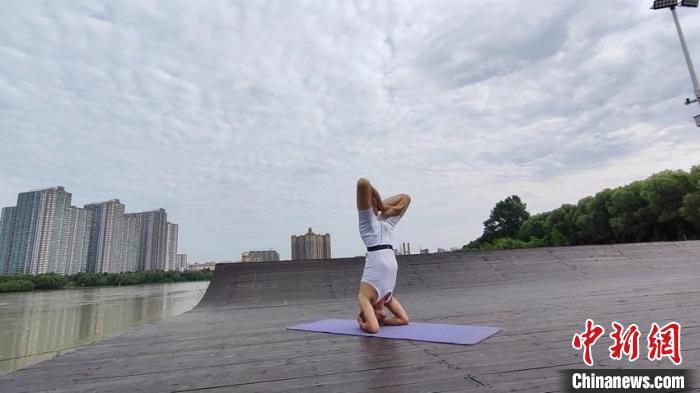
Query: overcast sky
250,121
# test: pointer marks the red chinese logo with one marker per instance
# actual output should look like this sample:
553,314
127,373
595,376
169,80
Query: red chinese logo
661,341
586,340
665,341
626,343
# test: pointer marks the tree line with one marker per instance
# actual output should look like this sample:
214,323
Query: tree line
29,282
663,207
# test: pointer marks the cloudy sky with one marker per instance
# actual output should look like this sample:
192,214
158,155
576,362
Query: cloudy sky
249,121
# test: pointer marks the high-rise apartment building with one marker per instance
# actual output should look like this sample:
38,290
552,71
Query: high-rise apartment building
43,234
171,246
155,238
260,256
34,246
7,231
152,227
148,242
132,244
311,246
106,236
181,262
75,241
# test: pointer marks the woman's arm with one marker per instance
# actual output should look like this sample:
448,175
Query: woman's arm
396,205
400,316
366,319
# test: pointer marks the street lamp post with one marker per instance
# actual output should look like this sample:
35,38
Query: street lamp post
659,4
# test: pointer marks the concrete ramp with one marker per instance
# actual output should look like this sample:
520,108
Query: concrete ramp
235,339
299,282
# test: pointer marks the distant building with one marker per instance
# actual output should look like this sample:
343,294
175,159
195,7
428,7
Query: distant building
441,250
7,232
180,262
260,256
311,246
39,218
43,233
405,248
106,236
171,246
76,240
155,239
202,266
132,245
424,251
150,231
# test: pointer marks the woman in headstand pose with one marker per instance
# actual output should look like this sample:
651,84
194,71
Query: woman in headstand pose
377,221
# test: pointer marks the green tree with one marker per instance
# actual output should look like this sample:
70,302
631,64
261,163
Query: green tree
624,207
665,206
663,193
50,281
690,210
564,223
15,277
556,238
16,286
594,218
506,219
535,227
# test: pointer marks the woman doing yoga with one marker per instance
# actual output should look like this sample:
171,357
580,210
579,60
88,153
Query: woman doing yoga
377,221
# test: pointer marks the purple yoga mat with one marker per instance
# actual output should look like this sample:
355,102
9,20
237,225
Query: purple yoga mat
432,332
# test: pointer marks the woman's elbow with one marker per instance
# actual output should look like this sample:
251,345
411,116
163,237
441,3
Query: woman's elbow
372,328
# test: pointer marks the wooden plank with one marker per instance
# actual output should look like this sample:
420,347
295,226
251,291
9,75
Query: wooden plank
236,339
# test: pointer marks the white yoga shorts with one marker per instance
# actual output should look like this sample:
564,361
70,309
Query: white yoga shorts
380,266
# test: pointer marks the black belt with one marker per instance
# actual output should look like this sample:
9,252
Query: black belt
380,247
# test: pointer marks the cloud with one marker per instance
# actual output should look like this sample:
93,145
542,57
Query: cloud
251,121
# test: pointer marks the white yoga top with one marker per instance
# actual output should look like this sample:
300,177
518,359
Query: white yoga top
380,266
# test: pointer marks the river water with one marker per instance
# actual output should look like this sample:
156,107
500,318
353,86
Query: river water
38,325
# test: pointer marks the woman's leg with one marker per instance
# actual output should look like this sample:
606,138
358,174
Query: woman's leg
364,194
396,205
398,199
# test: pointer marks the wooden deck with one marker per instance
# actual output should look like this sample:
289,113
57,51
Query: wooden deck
235,340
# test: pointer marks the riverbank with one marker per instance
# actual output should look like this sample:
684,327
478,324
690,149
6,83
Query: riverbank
29,282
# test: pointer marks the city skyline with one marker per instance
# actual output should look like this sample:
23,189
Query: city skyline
45,233
154,103
129,247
